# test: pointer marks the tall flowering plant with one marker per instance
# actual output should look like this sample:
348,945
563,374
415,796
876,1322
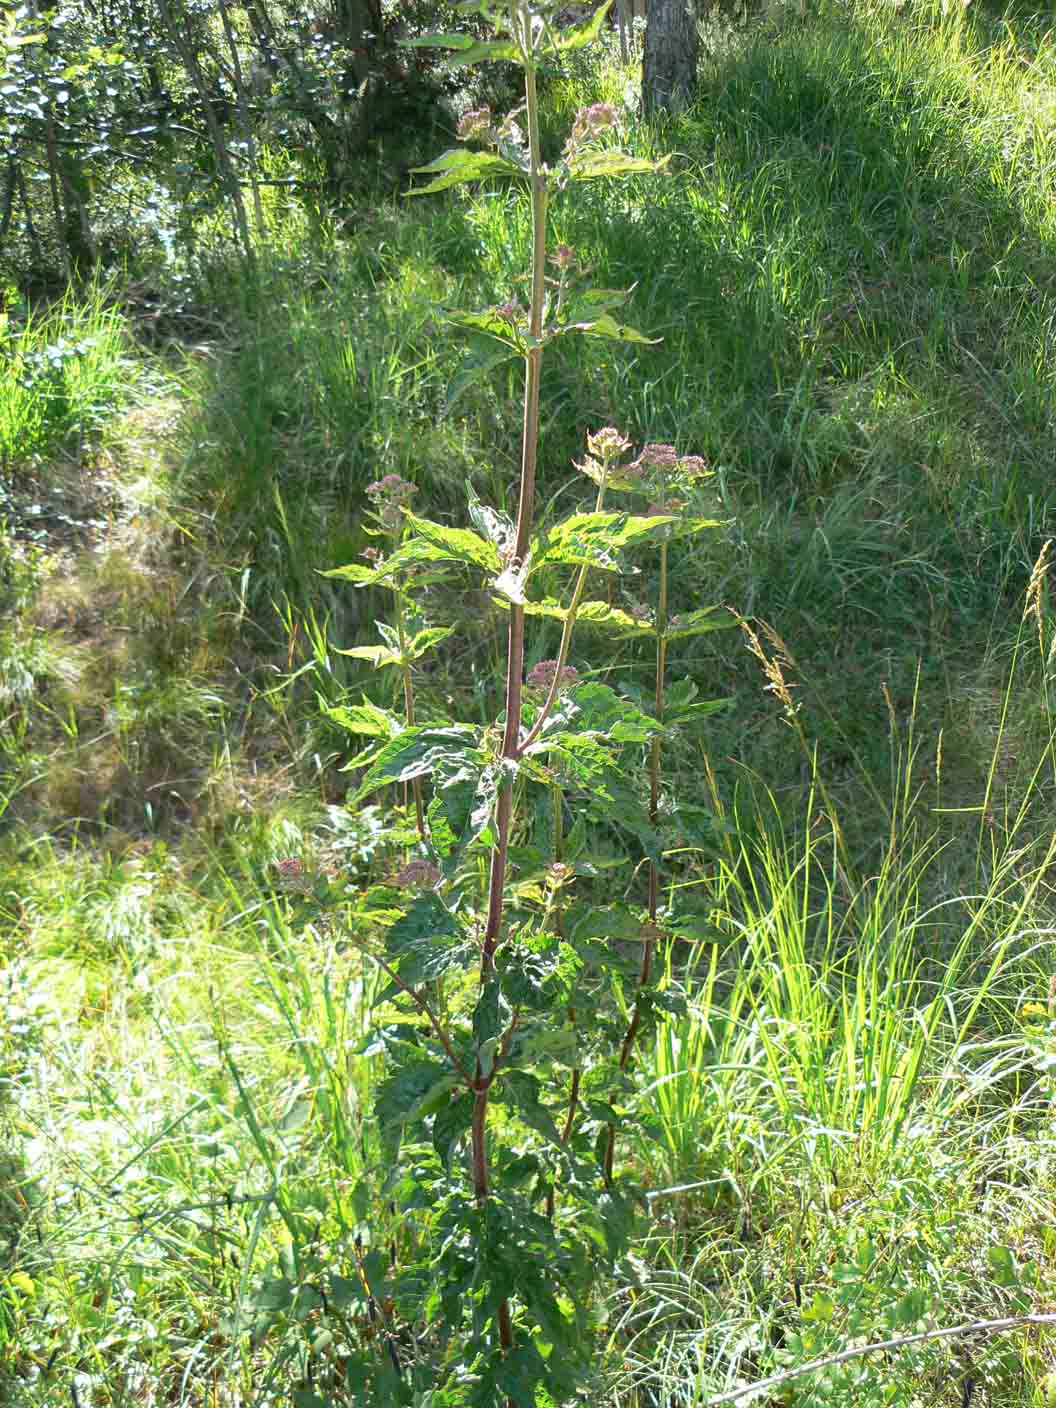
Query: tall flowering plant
500,1102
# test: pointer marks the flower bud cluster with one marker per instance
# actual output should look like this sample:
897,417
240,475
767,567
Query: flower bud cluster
293,877
417,875
590,124
608,444
388,496
542,676
477,125
510,312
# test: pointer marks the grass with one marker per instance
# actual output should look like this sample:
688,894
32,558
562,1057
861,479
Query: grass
851,1131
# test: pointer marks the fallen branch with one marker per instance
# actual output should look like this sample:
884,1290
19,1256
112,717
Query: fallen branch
974,1327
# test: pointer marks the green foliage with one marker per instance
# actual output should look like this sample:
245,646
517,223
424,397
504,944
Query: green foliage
838,1114
62,376
511,1304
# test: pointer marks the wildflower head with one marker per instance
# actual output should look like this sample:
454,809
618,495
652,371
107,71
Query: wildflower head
693,467
510,311
558,874
564,257
388,496
662,457
542,676
608,444
476,125
292,875
417,875
391,487
591,122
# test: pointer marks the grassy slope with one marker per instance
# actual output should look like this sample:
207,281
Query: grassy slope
852,274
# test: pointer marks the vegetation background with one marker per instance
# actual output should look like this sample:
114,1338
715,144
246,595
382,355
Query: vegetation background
220,324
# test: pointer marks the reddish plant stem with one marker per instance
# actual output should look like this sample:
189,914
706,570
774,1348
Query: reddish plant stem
515,643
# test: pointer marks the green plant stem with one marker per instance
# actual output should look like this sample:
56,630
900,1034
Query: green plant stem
408,708
645,972
515,646
566,641
654,757
559,926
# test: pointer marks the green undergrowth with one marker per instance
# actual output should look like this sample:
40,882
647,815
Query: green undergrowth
850,266
847,1136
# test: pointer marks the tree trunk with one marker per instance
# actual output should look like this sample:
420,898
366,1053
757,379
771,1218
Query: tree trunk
359,24
669,68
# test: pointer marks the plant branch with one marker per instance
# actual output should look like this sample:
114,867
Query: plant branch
408,709
973,1327
426,1011
646,970
566,643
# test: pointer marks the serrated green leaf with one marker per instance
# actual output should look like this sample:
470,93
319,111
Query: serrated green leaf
452,1121
425,640
521,1090
545,1045
689,525
491,1016
482,357
698,623
591,164
407,1093
697,713
365,719
494,325
594,538
456,544
590,613
460,165
353,572
346,1292
579,36
601,710
378,655
492,50
413,753
426,942
607,326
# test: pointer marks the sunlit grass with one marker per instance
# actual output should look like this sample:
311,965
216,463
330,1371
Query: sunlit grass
851,272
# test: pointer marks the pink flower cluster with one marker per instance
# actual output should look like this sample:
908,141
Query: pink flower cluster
590,123
608,444
476,124
293,876
388,495
417,875
392,487
542,676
